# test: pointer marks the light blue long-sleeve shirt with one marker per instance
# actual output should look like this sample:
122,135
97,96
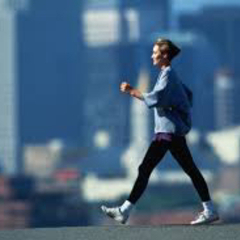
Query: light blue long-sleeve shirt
171,104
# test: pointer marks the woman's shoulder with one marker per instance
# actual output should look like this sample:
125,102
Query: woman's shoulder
166,73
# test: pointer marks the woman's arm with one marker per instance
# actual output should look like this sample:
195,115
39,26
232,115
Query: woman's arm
127,88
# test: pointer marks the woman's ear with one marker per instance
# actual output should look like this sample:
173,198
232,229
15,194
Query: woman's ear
165,55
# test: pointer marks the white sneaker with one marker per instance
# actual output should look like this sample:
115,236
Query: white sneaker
204,218
116,214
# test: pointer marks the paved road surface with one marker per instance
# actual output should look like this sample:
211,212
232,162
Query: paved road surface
164,232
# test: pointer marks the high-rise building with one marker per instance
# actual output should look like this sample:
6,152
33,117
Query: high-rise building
50,70
9,144
42,75
155,17
220,27
224,104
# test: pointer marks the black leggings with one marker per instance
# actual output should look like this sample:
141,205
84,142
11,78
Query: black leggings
155,154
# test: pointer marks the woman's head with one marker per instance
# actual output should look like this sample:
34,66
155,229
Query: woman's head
164,51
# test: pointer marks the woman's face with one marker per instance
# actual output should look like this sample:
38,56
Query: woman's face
156,55
158,58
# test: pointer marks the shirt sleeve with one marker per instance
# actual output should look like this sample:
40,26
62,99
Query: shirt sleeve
156,98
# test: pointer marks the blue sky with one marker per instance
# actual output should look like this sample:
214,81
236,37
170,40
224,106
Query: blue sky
193,5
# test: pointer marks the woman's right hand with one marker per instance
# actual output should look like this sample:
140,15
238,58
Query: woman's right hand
125,87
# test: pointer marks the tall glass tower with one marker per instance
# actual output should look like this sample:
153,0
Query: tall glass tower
9,146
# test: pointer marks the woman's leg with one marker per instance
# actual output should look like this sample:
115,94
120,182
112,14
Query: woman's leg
154,155
181,153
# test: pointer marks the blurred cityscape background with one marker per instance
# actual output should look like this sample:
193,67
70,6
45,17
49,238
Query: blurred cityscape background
70,141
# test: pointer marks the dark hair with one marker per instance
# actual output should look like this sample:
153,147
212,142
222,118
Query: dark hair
167,46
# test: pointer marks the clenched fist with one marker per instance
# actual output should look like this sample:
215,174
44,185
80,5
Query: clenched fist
125,87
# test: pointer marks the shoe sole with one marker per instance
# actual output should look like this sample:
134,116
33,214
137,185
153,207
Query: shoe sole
207,222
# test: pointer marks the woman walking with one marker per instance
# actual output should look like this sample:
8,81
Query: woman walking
171,102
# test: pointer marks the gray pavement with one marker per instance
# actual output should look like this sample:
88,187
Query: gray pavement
163,232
